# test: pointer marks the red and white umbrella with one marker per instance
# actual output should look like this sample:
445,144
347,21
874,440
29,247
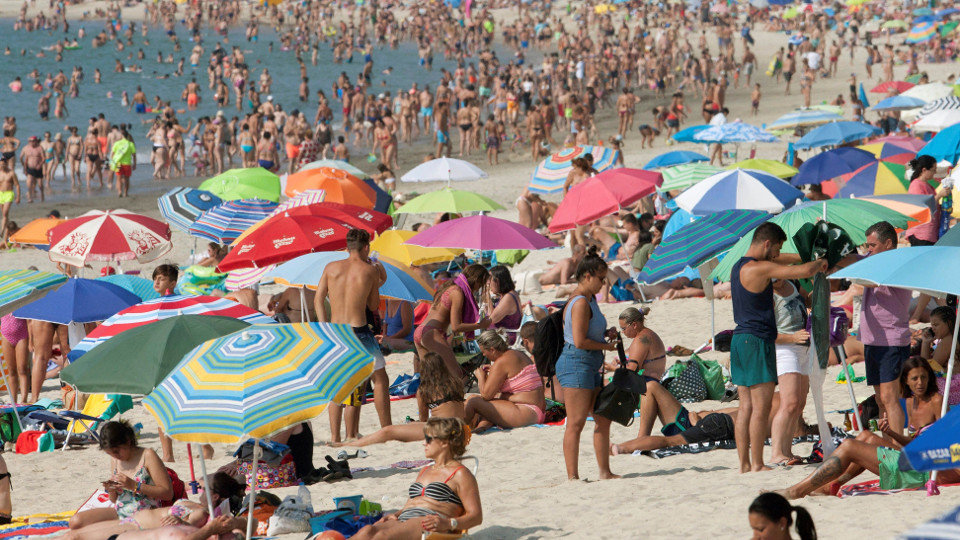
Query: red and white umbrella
285,237
112,235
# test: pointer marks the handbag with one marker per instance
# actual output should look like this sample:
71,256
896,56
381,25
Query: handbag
621,396
689,386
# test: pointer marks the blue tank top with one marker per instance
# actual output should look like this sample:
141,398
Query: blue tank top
598,325
395,324
753,312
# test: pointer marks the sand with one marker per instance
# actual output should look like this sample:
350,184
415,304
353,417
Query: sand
521,476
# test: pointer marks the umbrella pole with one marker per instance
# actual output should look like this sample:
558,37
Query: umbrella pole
194,485
713,329
932,483
206,489
842,356
303,306
253,488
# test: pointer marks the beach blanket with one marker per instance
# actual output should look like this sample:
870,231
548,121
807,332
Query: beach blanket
872,487
694,448
34,529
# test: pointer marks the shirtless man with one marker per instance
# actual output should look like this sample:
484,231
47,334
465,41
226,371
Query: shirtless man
139,101
8,185
31,157
352,286
267,152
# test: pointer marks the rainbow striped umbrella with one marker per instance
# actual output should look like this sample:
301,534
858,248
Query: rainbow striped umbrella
922,32
162,308
259,381
551,173
226,222
877,178
20,287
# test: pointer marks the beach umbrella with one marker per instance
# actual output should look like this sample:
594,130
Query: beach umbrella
929,92
687,134
383,200
338,186
137,360
258,382
21,287
181,206
896,86
677,157
163,308
852,215
898,103
803,118
734,132
142,287
481,233
911,143
352,216
251,183
944,527
223,224
769,166
945,103
830,164
944,146
335,164
922,32
312,179
918,207
889,151
899,24
246,278
392,244
305,272
283,238
698,242
947,28
947,12
79,300
740,189
937,121
602,195
449,200
686,175
550,175
35,232
111,235
837,133
444,169
877,178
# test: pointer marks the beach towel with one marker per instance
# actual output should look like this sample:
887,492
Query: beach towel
694,448
872,487
33,529
471,313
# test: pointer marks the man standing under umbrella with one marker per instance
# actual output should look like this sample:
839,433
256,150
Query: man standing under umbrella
353,287
753,360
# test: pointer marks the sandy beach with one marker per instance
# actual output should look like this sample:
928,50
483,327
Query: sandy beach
522,481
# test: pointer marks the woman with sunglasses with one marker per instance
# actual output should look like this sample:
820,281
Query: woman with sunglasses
445,496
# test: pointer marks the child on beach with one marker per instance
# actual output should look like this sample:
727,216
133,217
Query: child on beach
755,99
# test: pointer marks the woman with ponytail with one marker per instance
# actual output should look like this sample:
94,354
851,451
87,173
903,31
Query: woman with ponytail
923,167
771,516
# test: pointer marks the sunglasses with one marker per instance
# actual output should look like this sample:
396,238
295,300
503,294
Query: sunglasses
430,439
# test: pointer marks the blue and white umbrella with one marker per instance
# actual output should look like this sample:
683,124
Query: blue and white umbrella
224,223
831,164
837,133
181,206
898,103
734,132
944,527
688,134
945,103
742,189
803,118
677,157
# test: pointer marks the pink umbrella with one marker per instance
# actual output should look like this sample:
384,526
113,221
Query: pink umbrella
912,144
602,195
113,235
481,233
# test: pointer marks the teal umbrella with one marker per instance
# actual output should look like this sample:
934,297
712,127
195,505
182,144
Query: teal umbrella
852,215
20,287
139,286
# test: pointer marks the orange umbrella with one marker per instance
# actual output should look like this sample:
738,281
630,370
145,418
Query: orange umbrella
339,186
919,212
35,232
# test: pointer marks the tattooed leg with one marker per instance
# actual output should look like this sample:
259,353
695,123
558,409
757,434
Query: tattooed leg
848,461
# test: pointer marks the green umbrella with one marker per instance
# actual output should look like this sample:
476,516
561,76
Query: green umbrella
948,27
895,24
134,362
252,183
852,215
770,166
449,200
686,175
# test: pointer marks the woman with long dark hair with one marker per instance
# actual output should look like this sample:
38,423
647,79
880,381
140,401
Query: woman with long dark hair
923,168
771,517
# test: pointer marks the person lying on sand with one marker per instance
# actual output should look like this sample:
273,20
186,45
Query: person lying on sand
511,392
223,527
562,271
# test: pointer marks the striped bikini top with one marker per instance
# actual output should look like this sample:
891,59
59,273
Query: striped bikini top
438,491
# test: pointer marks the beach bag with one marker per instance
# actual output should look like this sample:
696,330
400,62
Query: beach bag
270,476
620,398
712,373
689,386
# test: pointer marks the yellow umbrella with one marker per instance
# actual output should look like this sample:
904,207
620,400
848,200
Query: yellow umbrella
770,166
391,244
35,232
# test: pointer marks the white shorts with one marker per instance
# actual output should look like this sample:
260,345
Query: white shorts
792,359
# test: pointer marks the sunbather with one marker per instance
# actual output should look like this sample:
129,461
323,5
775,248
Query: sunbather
440,393
223,527
511,392
445,496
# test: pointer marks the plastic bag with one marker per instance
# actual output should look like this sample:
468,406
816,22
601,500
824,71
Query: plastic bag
293,515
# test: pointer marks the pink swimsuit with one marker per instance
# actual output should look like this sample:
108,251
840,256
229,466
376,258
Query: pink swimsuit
527,380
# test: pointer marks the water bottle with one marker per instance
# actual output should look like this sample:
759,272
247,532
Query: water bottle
305,500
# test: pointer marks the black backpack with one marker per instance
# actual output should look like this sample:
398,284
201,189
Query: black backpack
548,343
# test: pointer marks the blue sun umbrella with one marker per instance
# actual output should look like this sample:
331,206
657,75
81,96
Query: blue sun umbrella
743,189
698,242
21,287
831,164
224,223
79,300
898,103
944,145
139,286
677,157
734,132
687,134
837,133
181,206
943,527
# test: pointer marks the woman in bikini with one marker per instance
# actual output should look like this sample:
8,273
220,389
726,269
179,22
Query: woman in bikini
16,340
511,391
385,142
445,497
646,352
505,312
440,396
138,480
161,156
448,311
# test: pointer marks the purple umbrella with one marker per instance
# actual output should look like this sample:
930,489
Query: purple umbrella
481,233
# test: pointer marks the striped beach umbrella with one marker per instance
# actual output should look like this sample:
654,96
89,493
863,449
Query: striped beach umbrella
245,277
803,118
741,189
224,223
20,287
181,206
944,103
890,151
769,166
162,308
686,175
877,178
259,381
112,235
551,173
698,242
734,132
937,121
687,134
305,198
830,164
922,32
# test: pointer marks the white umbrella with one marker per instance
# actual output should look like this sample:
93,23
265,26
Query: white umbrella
928,92
444,170
937,121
